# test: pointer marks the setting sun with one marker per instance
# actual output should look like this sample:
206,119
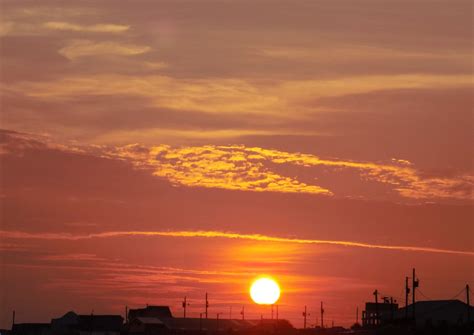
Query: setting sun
265,291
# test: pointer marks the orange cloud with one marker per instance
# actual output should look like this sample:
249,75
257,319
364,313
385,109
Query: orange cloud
231,94
247,168
95,28
83,48
228,235
215,167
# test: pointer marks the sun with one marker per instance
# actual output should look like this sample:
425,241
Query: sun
265,291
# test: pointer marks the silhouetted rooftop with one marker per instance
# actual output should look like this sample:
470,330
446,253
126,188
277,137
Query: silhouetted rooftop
150,311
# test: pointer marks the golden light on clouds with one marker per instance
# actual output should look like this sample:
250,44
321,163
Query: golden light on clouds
252,169
223,95
301,140
83,48
227,235
95,28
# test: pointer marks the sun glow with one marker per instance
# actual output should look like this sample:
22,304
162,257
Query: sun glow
265,291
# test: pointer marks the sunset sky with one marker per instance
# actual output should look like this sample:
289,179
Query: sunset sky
151,150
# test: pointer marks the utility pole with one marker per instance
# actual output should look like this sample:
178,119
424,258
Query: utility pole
242,312
185,304
272,311
407,292
322,315
305,313
92,323
217,323
207,305
468,304
376,294
415,284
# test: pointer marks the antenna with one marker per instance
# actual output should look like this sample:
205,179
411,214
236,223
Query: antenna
322,315
207,305
305,314
407,292
468,304
184,304
376,294
415,284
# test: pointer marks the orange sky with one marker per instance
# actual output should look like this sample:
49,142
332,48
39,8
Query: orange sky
158,149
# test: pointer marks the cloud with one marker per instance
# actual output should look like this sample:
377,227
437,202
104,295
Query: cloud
256,169
358,53
81,257
274,97
95,28
83,48
227,235
252,169
233,168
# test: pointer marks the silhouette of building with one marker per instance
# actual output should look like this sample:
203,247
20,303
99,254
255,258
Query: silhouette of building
377,313
159,320
31,329
437,313
159,312
145,325
72,323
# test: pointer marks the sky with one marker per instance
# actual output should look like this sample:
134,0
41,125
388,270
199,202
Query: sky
151,150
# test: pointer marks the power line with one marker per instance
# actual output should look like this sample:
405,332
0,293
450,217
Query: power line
424,295
458,294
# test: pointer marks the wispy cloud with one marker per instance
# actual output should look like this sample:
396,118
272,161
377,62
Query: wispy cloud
82,257
227,235
357,53
95,28
220,95
83,48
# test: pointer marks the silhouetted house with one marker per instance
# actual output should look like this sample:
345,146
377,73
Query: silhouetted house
159,312
145,325
195,325
438,313
378,313
31,329
72,323
159,320
152,325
